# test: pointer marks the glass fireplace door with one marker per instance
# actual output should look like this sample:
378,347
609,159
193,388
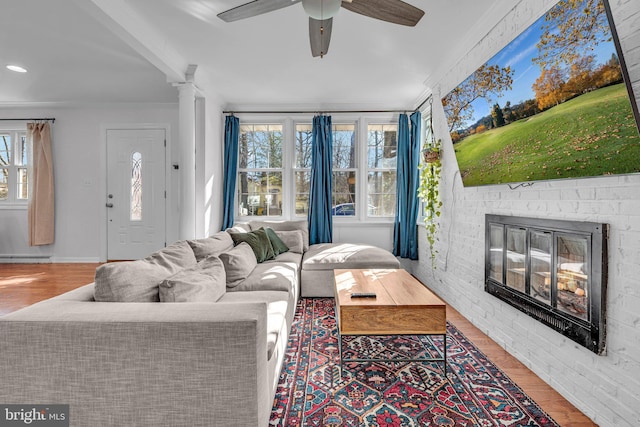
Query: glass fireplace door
573,274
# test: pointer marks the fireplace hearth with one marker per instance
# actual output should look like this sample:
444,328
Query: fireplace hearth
553,270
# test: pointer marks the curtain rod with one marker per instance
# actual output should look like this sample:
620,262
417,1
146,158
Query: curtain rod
313,111
327,111
48,119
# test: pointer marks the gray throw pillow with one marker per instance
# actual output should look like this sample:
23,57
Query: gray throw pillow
293,240
138,281
212,245
239,262
285,226
203,282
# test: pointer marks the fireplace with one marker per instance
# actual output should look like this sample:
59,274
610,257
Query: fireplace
555,271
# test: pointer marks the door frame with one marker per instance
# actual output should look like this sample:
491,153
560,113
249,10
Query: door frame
169,201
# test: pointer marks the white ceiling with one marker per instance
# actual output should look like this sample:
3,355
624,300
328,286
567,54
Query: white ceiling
101,51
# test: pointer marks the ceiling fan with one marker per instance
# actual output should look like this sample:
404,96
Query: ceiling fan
321,13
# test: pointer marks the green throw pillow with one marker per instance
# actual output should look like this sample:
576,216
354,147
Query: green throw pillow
279,246
259,242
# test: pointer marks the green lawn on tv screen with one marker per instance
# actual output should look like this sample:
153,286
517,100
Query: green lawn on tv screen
591,135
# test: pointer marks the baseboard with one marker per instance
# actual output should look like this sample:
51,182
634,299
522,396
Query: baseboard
25,259
45,259
74,260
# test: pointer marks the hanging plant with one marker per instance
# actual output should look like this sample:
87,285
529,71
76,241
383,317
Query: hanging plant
429,192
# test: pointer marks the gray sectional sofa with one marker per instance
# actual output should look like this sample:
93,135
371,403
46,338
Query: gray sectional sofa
165,340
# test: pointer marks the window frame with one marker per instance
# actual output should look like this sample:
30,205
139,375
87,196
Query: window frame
289,124
283,170
355,169
426,135
16,153
367,169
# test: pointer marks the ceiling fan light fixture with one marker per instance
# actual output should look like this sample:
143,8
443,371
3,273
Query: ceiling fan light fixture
321,9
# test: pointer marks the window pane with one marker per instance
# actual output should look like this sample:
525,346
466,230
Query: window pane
21,157
381,193
5,149
302,180
303,146
260,193
136,187
344,146
23,188
382,146
344,193
4,184
260,146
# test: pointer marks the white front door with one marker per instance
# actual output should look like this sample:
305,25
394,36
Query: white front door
136,196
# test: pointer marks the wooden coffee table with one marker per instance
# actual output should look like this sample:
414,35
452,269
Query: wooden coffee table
402,306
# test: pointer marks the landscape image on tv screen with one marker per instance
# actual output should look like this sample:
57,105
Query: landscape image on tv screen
552,104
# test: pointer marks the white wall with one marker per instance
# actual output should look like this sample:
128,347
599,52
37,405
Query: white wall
80,179
606,388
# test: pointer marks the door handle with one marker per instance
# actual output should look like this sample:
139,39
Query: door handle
109,205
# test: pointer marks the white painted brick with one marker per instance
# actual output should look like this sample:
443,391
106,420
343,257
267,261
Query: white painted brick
606,388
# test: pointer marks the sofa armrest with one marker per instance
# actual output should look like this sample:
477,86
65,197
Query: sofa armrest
140,363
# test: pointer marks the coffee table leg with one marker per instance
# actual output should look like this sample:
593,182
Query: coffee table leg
444,356
340,350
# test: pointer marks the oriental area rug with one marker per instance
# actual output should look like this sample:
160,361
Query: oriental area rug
313,392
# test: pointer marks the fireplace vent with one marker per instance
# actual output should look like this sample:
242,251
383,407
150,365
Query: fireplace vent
554,271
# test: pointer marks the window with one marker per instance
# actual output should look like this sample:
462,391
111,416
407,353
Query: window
382,144
14,166
344,169
260,170
135,211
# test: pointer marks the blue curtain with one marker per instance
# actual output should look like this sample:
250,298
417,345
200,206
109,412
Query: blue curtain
231,133
405,233
320,219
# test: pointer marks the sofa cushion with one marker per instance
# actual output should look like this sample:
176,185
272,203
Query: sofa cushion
259,242
138,281
293,240
238,262
212,245
281,274
329,256
285,226
279,247
203,282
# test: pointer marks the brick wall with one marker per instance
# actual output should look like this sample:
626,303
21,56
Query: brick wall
606,388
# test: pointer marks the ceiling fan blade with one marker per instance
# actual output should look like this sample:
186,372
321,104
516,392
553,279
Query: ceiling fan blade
320,36
254,8
395,11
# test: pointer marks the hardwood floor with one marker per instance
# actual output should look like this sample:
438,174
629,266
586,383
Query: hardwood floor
25,284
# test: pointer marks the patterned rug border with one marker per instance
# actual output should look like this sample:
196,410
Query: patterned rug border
475,396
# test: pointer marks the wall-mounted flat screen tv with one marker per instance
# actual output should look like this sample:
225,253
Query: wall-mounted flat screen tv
555,103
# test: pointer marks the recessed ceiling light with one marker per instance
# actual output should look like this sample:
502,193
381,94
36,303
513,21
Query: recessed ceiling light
17,68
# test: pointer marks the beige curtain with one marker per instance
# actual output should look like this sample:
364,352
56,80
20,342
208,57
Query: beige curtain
41,202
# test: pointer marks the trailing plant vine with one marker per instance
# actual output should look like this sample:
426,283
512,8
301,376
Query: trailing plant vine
429,192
